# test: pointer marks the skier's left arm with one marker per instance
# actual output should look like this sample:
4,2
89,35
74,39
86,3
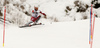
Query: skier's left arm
43,14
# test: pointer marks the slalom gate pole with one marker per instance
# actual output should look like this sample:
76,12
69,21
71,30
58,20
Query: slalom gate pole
4,25
93,31
93,25
90,29
90,34
91,22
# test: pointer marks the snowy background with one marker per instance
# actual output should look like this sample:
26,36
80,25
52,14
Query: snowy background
67,24
19,11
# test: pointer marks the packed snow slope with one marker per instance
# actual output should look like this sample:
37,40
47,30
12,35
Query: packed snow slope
55,35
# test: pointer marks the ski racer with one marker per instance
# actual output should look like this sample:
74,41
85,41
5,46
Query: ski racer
36,16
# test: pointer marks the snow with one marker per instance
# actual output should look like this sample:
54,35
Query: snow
60,30
54,10
55,35
86,1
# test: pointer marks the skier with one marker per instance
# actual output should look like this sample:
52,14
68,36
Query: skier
36,16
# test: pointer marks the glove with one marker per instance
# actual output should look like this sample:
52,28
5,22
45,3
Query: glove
45,17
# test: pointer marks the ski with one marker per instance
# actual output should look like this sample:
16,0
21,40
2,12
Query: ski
24,26
30,25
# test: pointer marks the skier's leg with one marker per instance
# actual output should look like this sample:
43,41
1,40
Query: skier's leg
29,23
32,20
38,18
